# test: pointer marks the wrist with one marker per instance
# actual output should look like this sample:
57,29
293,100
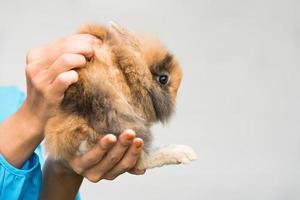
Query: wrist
60,169
59,182
20,134
32,123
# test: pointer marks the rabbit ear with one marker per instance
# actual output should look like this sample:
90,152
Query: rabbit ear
116,26
126,36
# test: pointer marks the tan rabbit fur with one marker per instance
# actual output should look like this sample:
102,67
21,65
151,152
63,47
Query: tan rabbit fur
118,89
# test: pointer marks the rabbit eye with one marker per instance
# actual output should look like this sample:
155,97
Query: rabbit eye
163,79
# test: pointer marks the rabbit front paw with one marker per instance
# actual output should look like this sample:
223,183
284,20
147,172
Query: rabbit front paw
170,155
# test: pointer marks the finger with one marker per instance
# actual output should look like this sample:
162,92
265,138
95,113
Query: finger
112,157
118,151
137,171
78,47
96,154
64,63
128,161
79,43
80,37
61,83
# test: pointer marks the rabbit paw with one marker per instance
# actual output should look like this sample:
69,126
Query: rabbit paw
177,154
170,155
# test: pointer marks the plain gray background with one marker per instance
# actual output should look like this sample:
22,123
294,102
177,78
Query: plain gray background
238,106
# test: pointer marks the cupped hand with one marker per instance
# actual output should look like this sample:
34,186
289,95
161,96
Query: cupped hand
109,158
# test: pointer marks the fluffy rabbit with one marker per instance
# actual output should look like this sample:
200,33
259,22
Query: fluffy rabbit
130,83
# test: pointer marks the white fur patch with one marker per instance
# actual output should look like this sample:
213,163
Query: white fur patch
180,153
83,148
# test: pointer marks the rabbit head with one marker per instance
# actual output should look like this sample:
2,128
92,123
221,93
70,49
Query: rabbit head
151,72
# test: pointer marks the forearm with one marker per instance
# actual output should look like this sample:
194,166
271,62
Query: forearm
59,182
20,134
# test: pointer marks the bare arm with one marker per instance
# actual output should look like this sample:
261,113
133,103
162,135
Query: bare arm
20,134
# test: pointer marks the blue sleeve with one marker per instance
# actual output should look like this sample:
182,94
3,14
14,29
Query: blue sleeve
23,183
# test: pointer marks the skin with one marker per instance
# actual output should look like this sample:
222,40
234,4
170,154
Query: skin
49,72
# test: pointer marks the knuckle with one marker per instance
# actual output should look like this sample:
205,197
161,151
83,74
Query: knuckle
88,48
31,55
92,160
64,41
114,159
67,59
29,70
37,85
66,44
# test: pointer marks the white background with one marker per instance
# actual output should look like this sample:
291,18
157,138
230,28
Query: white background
238,106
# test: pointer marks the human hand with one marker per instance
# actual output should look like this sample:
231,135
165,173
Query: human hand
109,157
107,160
49,72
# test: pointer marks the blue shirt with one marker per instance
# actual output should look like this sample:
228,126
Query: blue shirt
22,183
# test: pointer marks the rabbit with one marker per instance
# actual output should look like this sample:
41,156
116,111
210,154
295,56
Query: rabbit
131,82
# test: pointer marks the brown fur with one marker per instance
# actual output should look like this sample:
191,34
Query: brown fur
117,90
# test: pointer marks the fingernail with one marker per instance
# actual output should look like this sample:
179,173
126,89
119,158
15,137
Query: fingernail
138,143
130,134
111,139
140,171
